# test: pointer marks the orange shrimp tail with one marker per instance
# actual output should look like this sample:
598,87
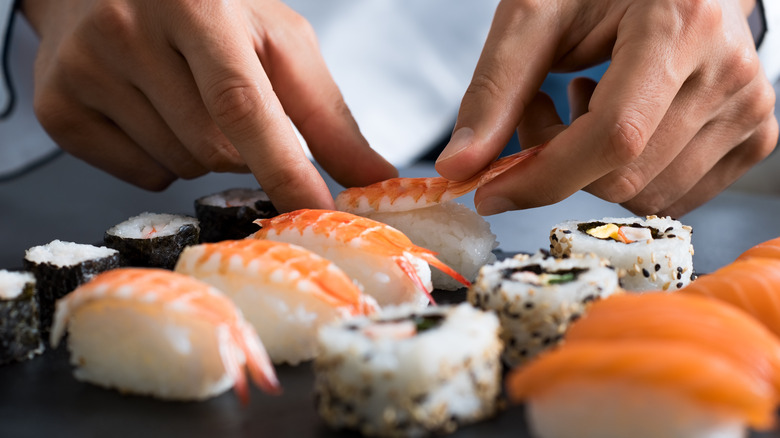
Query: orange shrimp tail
410,272
434,261
495,169
261,369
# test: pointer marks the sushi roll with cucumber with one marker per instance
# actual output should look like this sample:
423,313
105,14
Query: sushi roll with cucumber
230,214
409,372
650,254
537,297
153,239
20,337
60,267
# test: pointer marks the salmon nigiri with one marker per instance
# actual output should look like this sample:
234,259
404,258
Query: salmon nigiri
769,249
709,324
639,389
752,284
156,332
382,259
285,291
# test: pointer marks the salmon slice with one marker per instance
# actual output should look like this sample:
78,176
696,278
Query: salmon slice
751,284
723,330
691,372
768,249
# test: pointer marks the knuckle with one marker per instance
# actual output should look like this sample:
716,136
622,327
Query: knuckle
626,142
704,15
52,112
487,81
233,105
619,186
739,66
114,21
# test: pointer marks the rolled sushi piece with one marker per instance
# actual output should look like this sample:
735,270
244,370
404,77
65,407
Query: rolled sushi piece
537,297
641,389
230,214
154,332
20,337
409,372
650,254
153,239
285,291
60,267
458,235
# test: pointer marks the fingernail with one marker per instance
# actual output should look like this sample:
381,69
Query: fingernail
460,141
495,205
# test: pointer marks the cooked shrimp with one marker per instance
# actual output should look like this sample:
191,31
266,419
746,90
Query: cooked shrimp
160,320
287,292
381,258
402,194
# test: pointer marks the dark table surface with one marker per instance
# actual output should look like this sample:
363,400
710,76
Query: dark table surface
69,200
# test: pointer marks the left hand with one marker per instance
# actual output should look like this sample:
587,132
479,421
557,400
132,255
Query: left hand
683,110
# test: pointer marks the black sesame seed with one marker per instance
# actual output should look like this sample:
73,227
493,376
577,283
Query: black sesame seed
554,237
574,317
588,299
566,231
679,269
668,229
523,352
535,334
529,305
645,272
657,267
546,341
679,276
671,236
679,285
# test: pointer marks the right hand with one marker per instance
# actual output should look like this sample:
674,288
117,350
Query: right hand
151,91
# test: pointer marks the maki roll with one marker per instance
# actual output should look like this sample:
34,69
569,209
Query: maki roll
650,254
59,267
20,338
537,297
230,214
153,239
409,372
460,237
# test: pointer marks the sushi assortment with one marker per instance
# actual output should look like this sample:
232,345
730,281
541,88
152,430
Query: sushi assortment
650,254
350,290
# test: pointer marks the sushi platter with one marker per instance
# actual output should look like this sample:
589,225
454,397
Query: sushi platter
41,397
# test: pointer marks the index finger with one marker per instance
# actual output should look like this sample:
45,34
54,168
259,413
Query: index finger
517,55
240,99
627,106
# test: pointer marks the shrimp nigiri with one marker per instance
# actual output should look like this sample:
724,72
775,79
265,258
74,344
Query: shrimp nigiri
285,291
752,284
719,328
382,259
156,332
639,389
424,210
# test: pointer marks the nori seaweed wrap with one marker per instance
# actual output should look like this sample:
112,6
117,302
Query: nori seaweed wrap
229,215
20,337
60,267
153,239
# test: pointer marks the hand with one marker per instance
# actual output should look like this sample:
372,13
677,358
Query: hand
682,111
151,91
